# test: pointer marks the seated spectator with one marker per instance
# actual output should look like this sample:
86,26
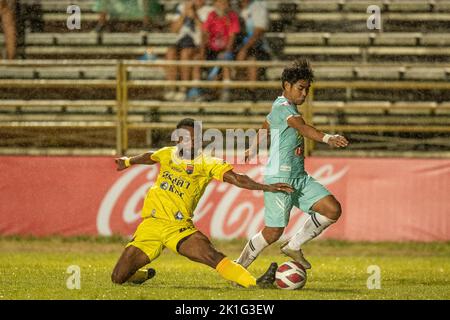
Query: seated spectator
9,26
149,11
253,46
219,34
187,23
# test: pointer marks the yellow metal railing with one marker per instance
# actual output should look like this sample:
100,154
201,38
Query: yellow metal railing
122,86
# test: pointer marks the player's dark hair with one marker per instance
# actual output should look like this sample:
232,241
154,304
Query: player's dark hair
299,70
186,122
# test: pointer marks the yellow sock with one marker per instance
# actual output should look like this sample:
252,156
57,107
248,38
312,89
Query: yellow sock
235,272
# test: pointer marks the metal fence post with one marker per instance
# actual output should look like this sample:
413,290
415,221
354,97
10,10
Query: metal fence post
119,110
124,79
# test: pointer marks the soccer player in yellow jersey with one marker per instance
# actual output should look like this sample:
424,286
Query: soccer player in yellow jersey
168,210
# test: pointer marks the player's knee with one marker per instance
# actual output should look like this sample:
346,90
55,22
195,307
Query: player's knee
118,277
335,211
272,235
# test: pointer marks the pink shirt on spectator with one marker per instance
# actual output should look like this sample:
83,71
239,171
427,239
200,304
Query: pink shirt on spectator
220,29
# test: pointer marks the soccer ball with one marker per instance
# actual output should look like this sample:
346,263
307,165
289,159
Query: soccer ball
290,276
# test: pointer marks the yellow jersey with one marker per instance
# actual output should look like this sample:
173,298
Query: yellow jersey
180,184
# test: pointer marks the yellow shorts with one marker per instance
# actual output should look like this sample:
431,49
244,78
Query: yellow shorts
153,235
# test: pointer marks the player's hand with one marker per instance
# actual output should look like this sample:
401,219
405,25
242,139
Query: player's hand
338,141
279,187
121,163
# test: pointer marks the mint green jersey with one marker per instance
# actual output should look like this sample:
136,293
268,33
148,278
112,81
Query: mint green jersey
286,157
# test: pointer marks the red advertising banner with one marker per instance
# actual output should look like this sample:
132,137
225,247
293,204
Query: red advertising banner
382,199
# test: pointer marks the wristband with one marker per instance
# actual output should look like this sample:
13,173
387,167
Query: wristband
326,137
127,162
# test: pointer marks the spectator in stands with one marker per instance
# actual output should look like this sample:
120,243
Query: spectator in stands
150,11
218,40
252,45
9,26
187,23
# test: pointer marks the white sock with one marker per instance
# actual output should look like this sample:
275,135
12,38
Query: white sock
313,226
252,249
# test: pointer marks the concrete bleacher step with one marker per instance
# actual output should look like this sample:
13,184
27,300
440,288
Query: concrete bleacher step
58,73
397,38
129,52
361,6
431,39
99,72
349,39
444,109
400,120
442,6
136,39
142,73
352,107
74,39
306,38
318,6
61,5
207,107
41,39
16,73
56,117
58,106
39,109
222,119
415,17
375,73
324,51
409,6
343,72
425,74
160,39
408,51
334,73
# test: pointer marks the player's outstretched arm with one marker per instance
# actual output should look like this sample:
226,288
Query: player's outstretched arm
125,162
310,132
245,182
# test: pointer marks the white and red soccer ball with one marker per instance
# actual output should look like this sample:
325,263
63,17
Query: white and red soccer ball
290,276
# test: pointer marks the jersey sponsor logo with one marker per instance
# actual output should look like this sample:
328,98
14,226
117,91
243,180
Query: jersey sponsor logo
285,168
176,180
179,215
164,185
189,168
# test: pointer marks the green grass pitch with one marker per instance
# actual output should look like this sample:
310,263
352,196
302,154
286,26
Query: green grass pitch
37,269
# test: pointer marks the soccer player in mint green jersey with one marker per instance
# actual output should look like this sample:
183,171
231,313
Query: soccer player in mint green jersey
286,164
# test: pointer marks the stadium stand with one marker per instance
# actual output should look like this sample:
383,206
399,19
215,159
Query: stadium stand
387,90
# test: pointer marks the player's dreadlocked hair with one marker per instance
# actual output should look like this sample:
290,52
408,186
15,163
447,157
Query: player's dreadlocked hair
299,70
187,122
